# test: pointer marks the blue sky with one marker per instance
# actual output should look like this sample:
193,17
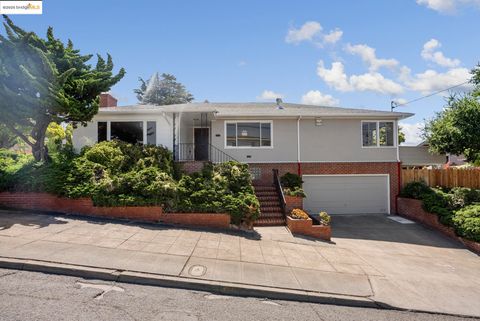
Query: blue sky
346,53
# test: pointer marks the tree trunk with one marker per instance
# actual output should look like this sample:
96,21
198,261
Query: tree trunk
39,150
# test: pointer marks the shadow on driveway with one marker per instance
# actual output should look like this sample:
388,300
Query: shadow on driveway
380,228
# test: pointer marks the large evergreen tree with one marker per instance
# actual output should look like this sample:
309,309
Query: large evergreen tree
164,90
44,81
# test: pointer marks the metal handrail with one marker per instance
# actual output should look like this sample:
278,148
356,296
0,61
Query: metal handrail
278,186
186,152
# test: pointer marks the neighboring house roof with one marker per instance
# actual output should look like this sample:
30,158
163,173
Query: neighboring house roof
259,110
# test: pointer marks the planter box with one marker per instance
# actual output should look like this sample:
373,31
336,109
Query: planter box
84,206
412,209
306,227
293,202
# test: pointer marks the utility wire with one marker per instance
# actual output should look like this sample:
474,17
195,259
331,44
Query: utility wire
394,105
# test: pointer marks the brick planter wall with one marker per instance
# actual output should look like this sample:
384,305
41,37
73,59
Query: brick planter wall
216,220
333,168
84,206
412,209
293,202
191,167
306,227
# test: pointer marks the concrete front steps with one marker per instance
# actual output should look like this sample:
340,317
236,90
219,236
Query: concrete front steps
270,210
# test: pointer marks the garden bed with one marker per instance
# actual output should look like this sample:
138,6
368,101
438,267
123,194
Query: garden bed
308,228
413,209
85,206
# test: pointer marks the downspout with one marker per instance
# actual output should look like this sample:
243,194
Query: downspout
175,157
399,170
299,166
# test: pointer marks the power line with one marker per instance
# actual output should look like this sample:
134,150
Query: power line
394,105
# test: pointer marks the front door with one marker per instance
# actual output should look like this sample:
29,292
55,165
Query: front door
201,140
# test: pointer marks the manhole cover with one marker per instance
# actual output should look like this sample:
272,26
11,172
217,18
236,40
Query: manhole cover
197,270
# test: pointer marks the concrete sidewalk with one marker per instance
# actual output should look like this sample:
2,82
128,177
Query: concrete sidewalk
364,272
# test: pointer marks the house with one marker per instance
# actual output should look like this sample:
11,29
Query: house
348,158
420,156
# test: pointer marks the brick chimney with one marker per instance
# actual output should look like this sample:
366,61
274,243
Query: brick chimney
107,100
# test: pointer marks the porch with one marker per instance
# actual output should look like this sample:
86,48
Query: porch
192,139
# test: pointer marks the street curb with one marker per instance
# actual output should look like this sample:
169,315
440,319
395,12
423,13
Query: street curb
217,287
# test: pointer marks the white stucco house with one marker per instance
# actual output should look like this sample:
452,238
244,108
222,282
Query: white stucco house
349,159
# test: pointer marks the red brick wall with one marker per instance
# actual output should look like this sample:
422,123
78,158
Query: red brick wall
412,208
389,168
192,166
217,220
293,202
305,227
49,202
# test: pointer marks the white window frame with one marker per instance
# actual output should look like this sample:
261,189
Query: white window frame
395,133
144,128
236,134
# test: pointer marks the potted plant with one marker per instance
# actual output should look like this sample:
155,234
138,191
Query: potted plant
299,222
292,190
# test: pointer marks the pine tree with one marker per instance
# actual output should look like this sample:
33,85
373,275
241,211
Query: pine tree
162,91
44,81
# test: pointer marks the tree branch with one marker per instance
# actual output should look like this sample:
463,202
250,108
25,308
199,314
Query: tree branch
19,134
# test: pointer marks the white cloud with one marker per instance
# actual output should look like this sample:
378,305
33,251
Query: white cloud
400,101
430,53
333,37
413,133
431,80
270,95
372,81
311,31
334,77
242,63
315,97
306,32
448,6
369,56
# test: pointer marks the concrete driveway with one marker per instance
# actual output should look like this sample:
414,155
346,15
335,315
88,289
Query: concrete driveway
372,259
420,267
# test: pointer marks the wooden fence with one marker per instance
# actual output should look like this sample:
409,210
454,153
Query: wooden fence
449,177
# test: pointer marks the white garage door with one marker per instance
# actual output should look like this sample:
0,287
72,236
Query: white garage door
346,194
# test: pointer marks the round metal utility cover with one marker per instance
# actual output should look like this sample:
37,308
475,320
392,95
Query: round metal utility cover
197,270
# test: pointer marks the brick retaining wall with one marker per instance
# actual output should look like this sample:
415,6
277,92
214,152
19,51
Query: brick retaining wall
84,206
412,209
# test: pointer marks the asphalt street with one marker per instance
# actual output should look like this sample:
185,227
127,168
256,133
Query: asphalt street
36,296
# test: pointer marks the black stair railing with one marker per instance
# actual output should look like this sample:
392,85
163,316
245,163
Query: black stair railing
200,152
278,187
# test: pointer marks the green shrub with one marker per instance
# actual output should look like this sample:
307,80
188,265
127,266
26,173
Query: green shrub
467,222
236,175
115,173
415,190
291,181
325,219
224,187
297,191
462,196
10,164
87,179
